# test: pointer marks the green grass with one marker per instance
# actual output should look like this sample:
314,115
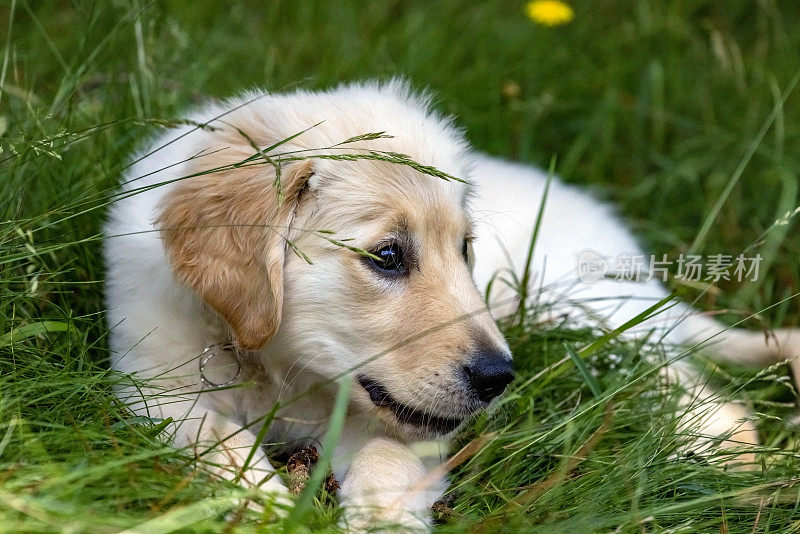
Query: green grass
653,104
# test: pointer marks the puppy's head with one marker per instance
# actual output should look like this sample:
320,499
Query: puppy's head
406,317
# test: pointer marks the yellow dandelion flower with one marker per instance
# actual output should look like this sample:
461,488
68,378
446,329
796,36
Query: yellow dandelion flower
549,12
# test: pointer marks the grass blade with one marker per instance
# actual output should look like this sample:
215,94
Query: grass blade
584,371
642,317
306,499
526,274
32,330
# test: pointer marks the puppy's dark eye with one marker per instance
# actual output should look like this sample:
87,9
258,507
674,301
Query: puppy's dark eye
389,259
465,251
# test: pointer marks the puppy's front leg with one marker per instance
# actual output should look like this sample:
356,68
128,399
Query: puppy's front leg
223,447
384,487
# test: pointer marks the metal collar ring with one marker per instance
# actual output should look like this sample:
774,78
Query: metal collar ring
206,356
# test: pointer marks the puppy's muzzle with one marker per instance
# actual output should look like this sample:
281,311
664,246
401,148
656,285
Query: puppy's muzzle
485,376
489,373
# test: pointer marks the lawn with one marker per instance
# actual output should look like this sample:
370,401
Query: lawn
684,113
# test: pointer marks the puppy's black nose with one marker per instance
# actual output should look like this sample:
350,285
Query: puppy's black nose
489,373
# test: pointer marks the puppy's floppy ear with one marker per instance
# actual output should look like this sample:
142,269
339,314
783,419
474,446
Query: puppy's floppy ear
225,234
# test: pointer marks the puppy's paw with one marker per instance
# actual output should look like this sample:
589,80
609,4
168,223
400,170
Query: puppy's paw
265,494
383,490
360,518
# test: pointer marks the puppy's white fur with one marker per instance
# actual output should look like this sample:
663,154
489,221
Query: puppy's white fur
305,323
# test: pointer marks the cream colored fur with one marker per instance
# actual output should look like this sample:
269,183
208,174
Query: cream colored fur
202,259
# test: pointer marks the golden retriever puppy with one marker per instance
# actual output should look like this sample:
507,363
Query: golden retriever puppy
267,249
204,271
